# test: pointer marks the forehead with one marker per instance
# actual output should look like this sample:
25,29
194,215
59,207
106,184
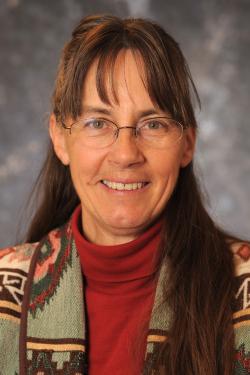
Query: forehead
121,83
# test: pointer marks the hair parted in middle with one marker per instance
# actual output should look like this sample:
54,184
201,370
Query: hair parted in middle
103,38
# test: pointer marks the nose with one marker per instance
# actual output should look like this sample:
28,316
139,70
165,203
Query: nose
125,152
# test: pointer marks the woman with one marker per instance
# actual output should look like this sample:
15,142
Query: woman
123,272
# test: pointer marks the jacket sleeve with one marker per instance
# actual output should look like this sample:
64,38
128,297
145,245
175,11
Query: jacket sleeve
241,315
14,267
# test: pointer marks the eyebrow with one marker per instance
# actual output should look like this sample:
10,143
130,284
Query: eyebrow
91,109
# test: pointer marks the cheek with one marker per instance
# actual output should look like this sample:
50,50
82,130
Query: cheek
166,175
84,164
168,163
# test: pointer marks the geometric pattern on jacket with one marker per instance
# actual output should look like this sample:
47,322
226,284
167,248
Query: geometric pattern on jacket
42,313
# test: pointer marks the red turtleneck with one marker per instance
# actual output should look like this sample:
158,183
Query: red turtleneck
120,284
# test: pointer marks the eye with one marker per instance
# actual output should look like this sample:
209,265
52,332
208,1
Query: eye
95,124
154,124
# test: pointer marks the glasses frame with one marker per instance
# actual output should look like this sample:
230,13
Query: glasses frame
117,128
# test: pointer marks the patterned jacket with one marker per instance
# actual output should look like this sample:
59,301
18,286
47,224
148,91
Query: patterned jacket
42,314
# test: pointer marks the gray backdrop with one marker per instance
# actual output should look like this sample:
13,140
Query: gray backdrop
215,37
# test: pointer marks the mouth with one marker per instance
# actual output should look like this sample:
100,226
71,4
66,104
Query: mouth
124,186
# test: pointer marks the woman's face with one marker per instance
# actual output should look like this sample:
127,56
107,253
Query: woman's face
112,216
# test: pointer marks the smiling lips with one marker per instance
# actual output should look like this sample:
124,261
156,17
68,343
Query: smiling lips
122,186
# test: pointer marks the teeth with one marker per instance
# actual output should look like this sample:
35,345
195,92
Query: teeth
121,186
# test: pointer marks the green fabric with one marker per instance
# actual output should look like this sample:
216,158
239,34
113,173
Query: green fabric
9,344
63,309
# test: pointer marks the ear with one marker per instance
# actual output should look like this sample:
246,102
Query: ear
58,138
188,146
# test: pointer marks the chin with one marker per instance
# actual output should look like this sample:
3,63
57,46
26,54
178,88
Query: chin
127,222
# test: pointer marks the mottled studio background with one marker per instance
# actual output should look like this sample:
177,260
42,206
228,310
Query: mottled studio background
215,37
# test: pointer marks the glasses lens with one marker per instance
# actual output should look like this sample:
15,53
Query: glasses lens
161,132
95,133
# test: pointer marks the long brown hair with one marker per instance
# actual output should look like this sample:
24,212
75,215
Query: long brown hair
199,286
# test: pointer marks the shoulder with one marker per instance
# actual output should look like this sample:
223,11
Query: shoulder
241,305
14,268
20,256
17,257
241,254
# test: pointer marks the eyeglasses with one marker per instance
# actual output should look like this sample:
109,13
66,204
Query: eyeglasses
156,132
